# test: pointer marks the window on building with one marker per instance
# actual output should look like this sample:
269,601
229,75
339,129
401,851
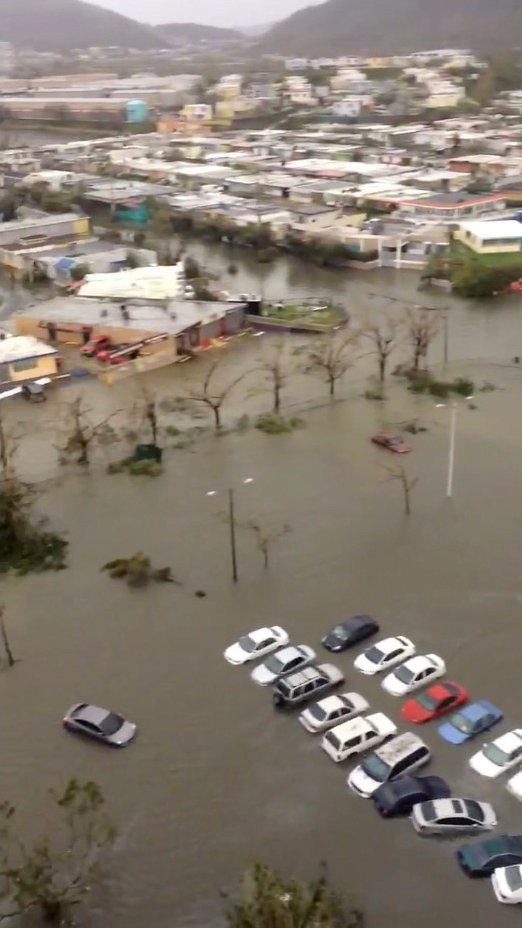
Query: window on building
28,364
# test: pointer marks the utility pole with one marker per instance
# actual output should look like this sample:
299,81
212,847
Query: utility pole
232,526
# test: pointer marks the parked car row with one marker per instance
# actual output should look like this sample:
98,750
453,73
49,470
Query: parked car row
387,774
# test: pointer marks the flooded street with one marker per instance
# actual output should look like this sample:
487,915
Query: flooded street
216,778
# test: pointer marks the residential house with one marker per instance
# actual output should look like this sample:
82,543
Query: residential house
24,358
348,107
448,207
491,237
296,64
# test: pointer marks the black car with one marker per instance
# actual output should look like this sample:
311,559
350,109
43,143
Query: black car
481,858
350,632
399,796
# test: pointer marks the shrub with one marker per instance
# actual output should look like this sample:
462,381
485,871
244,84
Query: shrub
267,255
172,430
374,393
272,423
463,386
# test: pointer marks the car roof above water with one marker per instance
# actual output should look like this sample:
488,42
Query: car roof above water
94,714
399,746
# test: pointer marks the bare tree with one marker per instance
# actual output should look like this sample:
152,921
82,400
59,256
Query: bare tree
332,356
265,537
213,398
275,368
7,647
384,333
83,432
399,473
422,325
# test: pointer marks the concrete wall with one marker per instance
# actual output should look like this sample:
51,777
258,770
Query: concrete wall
42,367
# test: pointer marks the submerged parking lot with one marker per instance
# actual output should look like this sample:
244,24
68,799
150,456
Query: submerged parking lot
216,778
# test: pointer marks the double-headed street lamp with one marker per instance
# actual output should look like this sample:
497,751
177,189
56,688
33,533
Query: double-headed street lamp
232,524
452,439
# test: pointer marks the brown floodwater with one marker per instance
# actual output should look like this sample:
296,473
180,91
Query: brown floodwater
217,779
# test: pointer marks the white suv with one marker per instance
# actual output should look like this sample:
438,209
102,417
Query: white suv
357,735
399,756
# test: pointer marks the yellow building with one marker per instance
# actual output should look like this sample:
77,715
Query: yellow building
495,237
23,357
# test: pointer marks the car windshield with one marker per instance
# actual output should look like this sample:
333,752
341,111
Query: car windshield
333,739
461,723
396,440
247,643
514,878
111,723
375,768
495,754
341,632
374,655
274,664
318,712
404,674
426,701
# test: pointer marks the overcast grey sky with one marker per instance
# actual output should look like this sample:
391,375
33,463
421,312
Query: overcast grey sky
213,12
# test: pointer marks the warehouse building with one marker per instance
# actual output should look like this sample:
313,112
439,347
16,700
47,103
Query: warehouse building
82,109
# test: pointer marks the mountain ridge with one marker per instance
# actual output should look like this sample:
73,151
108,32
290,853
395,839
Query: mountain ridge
339,27
195,32
60,25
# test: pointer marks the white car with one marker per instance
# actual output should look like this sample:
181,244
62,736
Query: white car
384,654
413,674
507,884
256,644
514,785
331,711
498,755
287,660
357,735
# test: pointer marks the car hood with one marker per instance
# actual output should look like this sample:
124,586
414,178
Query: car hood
392,685
333,642
451,734
480,763
362,784
309,721
263,675
415,713
514,785
235,654
364,665
126,733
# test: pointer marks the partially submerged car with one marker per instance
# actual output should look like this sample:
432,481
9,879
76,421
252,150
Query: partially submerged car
391,442
100,724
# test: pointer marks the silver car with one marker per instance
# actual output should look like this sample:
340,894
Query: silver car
100,724
453,816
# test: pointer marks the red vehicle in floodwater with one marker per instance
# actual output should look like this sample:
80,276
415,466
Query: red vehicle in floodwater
438,700
392,442
94,345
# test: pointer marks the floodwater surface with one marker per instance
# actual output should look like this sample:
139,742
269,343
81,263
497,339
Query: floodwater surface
216,778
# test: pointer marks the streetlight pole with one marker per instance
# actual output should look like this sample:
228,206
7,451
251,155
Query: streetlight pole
451,454
232,526
452,443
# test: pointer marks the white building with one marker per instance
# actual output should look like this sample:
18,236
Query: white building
296,64
348,108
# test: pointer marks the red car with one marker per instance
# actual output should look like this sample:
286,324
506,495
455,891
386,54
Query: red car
392,442
438,700
94,345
